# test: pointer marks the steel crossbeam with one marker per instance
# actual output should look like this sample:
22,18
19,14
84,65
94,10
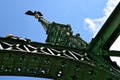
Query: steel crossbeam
107,35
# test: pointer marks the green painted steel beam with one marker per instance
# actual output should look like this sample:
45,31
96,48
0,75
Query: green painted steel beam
19,63
107,34
41,64
37,44
111,53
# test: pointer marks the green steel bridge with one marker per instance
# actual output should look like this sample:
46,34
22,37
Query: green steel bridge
64,56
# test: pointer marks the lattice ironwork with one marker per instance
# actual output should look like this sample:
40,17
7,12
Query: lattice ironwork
27,46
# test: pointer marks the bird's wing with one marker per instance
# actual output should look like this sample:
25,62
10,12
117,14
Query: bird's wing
29,13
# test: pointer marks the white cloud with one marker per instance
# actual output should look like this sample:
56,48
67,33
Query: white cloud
116,46
93,25
116,59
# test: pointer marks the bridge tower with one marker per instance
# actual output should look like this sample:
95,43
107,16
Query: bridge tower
64,56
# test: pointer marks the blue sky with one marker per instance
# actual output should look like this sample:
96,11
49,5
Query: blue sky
13,19
85,16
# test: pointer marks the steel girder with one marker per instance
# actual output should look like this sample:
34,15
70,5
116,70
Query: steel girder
25,58
109,32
